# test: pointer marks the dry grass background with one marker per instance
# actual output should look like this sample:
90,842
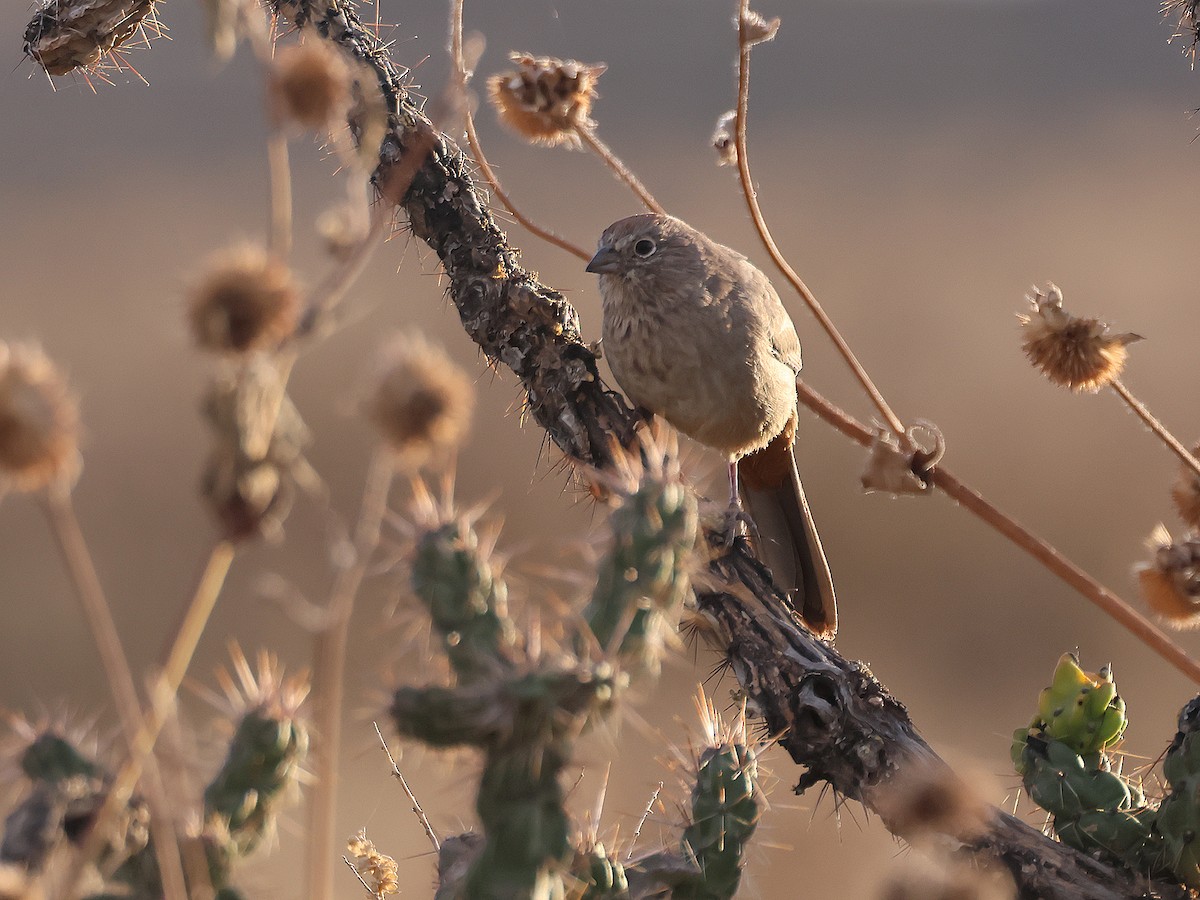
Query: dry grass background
920,162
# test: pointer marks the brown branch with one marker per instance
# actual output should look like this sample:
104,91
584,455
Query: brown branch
1132,620
837,719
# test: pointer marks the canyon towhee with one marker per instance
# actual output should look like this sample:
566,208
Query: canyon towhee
695,333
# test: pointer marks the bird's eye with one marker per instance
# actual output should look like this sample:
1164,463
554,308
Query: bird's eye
644,247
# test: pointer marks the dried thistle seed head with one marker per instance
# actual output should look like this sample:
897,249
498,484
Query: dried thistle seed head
1187,16
1080,354
1186,494
377,869
39,420
421,400
723,139
247,300
309,85
65,35
1170,582
546,99
756,29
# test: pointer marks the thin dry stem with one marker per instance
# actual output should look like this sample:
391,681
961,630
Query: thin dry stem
588,136
460,71
412,798
760,223
334,289
357,874
165,689
1155,425
637,832
281,192
78,558
329,655
258,34
1128,617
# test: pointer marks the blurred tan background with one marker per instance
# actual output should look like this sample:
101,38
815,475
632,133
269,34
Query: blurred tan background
921,162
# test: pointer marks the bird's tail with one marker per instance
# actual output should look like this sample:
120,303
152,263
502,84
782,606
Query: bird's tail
789,543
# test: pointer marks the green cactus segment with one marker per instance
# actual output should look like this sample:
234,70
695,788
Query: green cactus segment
644,578
1078,709
1179,814
726,804
264,759
1062,757
1095,810
601,874
467,601
50,758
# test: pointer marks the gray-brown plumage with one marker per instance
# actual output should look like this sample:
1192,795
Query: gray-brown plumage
695,333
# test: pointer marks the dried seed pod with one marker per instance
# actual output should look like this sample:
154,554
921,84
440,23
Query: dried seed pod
377,869
65,35
1080,354
1170,582
421,400
259,440
39,420
545,99
309,85
757,29
247,300
723,139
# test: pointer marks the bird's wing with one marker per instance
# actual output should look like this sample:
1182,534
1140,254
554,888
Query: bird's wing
785,343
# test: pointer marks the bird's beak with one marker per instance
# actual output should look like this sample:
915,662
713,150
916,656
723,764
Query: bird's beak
606,261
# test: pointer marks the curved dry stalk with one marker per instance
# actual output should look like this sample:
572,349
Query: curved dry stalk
65,525
162,698
460,72
1125,615
588,136
760,223
329,658
1155,425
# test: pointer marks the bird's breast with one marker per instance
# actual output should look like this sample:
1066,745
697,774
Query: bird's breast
694,366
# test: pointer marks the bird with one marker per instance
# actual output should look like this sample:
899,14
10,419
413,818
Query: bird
695,333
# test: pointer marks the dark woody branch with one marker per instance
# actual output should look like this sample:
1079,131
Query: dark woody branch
835,718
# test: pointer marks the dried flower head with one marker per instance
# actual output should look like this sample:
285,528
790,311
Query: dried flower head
1170,582
65,35
377,870
421,400
756,29
723,139
1187,16
1186,494
247,300
310,85
39,420
1080,354
545,99
929,801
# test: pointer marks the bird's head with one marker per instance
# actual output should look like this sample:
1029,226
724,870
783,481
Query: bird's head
651,252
